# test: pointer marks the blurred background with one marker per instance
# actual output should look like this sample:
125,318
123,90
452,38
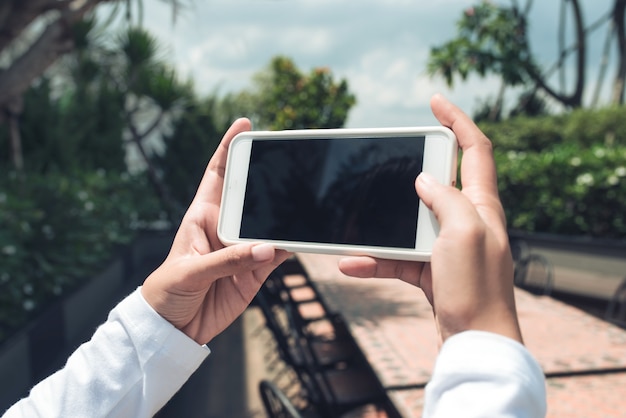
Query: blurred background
110,110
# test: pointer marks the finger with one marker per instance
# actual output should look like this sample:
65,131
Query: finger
263,271
366,267
233,260
213,179
478,169
451,208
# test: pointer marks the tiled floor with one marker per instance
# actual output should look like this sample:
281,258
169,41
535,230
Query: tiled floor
603,397
392,323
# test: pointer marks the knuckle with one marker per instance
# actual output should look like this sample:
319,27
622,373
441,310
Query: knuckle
234,258
473,234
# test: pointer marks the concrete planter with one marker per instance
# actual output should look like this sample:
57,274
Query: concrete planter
83,309
42,346
15,369
583,266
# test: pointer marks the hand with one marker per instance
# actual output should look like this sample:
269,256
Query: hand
202,286
469,280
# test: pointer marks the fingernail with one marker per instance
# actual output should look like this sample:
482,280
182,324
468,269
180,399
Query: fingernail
263,252
427,179
425,186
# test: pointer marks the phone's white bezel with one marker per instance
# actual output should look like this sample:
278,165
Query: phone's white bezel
440,161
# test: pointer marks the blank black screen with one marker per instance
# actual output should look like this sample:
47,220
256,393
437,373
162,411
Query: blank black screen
357,191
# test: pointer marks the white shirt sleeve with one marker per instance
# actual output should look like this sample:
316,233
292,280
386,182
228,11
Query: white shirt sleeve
480,374
134,363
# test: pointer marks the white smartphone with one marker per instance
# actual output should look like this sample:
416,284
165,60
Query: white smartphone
335,191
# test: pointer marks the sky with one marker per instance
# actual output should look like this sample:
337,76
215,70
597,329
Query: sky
380,46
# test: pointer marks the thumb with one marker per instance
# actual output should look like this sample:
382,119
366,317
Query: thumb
447,203
232,260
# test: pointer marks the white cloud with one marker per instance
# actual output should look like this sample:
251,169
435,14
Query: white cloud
380,46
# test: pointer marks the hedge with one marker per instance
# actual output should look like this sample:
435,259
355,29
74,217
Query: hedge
56,231
564,174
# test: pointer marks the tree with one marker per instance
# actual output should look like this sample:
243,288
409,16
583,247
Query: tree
618,17
153,96
494,39
109,92
491,39
29,60
281,98
285,98
194,137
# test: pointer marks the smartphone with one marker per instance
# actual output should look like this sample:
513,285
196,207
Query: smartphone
335,191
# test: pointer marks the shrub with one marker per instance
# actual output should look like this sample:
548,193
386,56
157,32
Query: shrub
564,174
56,231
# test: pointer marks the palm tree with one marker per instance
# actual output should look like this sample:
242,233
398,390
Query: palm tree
58,19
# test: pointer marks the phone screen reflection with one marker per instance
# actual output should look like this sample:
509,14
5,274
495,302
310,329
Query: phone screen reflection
357,191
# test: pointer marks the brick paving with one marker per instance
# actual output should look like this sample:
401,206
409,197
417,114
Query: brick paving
393,325
592,396
565,339
589,396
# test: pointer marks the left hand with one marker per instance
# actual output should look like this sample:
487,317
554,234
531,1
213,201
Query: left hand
469,280
203,286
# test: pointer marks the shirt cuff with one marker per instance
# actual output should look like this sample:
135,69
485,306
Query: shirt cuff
490,363
157,336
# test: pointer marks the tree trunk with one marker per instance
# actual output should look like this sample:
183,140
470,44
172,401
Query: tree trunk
496,110
158,184
13,113
55,41
619,11
575,98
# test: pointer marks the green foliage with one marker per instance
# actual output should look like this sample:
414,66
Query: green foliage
191,143
491,39
140,72
74,203
564,174
56,231
82,129
285,98
137,46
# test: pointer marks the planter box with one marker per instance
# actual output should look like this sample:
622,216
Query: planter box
42,346
583,266
86,308
15,370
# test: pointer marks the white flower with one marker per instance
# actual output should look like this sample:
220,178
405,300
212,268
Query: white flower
585,179
47,231
89,205
28,289
511,155
620,171
599,152
25,226
9,250
82,195
612,180
28,305
575,161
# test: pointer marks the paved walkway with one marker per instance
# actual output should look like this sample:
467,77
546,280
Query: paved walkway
226,385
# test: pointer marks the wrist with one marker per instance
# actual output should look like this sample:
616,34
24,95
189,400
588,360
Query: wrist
501,320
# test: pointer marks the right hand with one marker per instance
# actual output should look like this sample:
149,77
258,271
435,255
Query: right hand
469,280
